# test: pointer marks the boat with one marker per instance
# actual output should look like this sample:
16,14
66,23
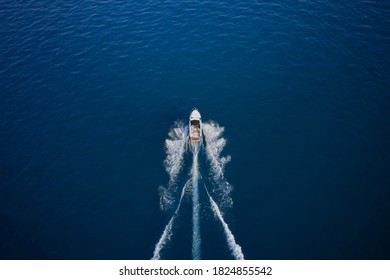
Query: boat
195,126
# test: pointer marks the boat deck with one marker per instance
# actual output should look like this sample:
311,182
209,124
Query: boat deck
195,133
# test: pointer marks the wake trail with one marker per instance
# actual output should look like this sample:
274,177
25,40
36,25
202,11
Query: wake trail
234,248
175,147
215,144
196,238
167,233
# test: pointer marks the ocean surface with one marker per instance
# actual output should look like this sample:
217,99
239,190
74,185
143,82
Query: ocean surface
90,89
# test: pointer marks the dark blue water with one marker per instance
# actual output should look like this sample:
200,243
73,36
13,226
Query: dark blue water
89,90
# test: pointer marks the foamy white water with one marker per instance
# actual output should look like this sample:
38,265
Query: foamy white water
175,145
196,238
214,146
167,233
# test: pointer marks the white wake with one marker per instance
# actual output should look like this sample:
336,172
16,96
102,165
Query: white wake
167,233
234,248
215,143
196,238
175,146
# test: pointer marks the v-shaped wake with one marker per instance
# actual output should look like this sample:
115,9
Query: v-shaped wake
177,145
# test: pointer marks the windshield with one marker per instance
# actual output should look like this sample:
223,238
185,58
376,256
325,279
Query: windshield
195,122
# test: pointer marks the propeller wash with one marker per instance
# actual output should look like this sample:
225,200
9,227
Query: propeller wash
195,137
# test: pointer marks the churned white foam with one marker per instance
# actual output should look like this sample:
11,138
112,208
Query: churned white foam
167,233
167,197
215,144
175,146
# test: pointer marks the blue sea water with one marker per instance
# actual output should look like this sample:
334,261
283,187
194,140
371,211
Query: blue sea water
89,90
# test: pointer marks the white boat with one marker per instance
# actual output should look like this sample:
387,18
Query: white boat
195,126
